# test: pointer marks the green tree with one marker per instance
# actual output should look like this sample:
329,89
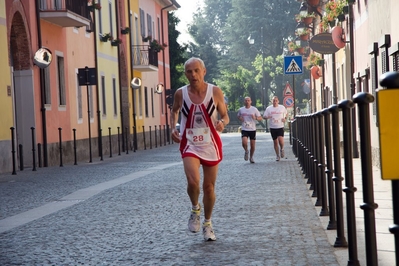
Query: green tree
177,54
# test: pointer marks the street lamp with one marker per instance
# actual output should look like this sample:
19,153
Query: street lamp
265,96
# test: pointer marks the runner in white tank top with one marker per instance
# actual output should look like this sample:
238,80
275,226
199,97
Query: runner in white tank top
200,104
199,137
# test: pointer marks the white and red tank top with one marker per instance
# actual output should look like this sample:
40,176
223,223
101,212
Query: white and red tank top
197,127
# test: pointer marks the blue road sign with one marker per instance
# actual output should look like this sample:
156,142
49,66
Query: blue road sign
293,64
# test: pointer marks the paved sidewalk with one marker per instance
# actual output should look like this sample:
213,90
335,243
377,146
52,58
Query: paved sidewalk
133,210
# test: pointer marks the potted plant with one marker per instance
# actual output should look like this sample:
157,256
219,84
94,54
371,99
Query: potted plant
307,19
292,46
304,34
115,42
314,60
125,30
94,6
105,37
156,46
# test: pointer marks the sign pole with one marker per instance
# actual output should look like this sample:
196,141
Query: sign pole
88,109
293,92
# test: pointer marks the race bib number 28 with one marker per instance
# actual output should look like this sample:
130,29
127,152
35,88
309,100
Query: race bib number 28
198,136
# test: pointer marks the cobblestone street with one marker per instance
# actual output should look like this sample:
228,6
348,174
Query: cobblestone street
133,210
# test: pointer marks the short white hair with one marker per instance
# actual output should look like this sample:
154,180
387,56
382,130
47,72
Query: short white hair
194,59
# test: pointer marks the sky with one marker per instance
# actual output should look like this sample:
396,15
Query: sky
184,13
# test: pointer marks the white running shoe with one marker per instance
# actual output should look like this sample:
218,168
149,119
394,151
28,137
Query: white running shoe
251,160
278,158
246,156
282,153
207,230
194,223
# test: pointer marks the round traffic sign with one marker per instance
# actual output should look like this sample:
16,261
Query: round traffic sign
288,101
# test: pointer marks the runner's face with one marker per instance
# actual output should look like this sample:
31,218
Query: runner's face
275,102
247,102
195,73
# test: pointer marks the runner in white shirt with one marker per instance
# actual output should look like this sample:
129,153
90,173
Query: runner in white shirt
248,115
277,115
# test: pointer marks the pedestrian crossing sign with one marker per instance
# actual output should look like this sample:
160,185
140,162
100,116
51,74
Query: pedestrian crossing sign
293,64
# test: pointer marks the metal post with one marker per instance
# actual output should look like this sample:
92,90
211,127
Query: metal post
350,189
110,142
74,146
119,142
145,145
363,100
60,144
150,139
33,148
332,224
13,151
340,240
323,190
88,121
127,150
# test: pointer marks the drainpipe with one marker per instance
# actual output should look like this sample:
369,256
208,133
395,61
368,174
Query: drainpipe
131,75
97,87
353,85
119,75
42,92
164,69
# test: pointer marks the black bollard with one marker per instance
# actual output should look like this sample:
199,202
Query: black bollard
155,135
74,147
13,151
167,132
322,186
350,189
60,144
33,149
340,240
39,154
164,134
150,139
21,157
127,150
101,141
363,100
119,142
110,142
134,139
160,136
145,145
332,223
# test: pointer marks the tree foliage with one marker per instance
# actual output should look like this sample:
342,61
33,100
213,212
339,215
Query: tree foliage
220,31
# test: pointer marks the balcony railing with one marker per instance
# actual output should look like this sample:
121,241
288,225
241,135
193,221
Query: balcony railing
65,13
144,59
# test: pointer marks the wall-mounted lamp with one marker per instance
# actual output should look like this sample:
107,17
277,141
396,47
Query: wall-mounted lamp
159,88
135,83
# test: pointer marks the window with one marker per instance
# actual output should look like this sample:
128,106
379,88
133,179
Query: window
47,89
111,28
114,96
146,101
142,23
103,98
159,30
149,26
61,81
100,24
